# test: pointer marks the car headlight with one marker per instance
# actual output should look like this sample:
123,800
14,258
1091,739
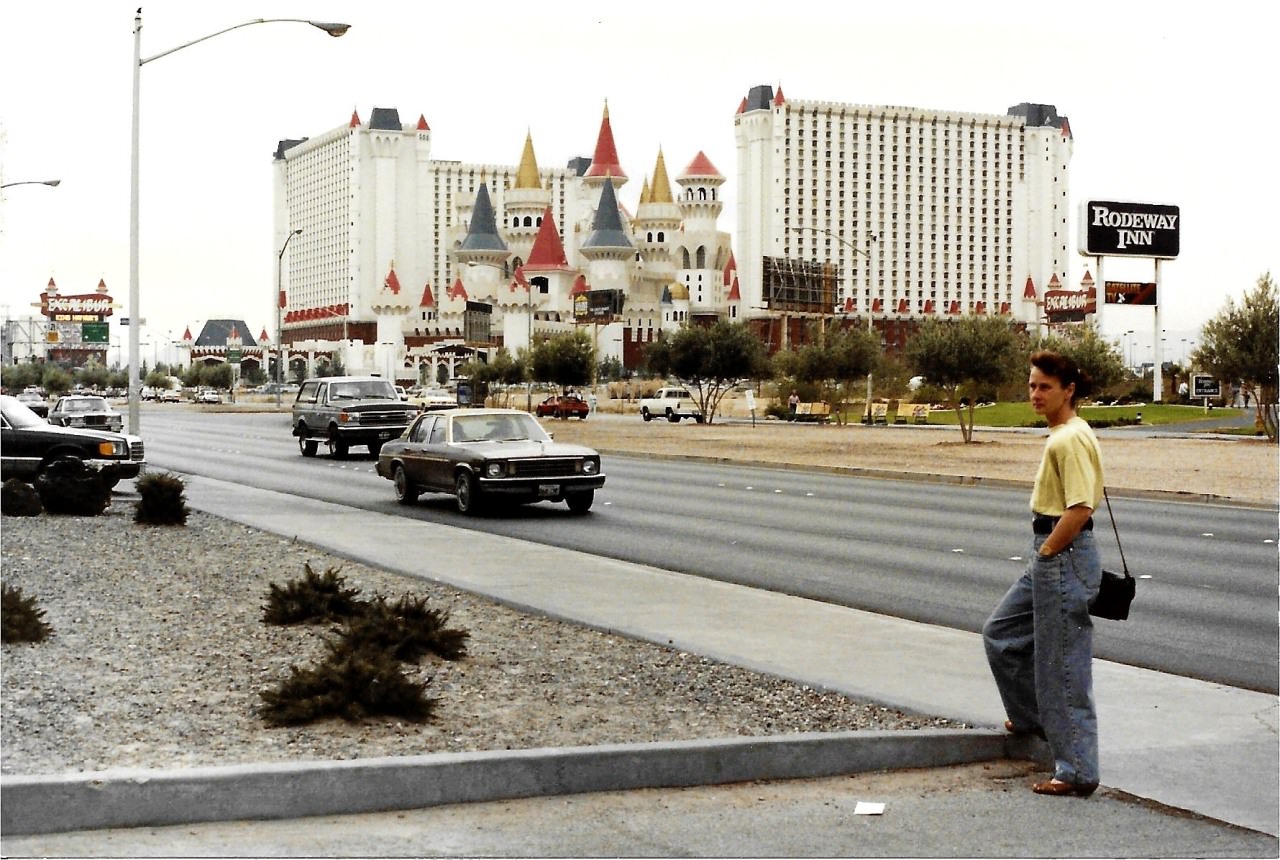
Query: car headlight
113,449
590,467
495,469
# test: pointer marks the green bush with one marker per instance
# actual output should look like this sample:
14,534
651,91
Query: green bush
407,629
163,500
314,599
67,486
20,619
352,682
19,499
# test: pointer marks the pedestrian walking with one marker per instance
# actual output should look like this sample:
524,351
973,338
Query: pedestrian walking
792,403
1039,639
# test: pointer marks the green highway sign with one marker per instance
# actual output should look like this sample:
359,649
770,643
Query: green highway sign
95,332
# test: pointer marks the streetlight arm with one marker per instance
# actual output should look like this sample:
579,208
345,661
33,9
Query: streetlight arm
333,29
52,183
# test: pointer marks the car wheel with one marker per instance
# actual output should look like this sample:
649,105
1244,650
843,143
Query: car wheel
673,417
559,414
337,448
406,490
644,413
306,446
580,503
699,419
582,416
466,493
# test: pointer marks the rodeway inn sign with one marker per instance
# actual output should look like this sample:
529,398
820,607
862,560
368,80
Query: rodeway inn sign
1113,229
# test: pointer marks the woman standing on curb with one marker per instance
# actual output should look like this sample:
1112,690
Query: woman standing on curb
1039,639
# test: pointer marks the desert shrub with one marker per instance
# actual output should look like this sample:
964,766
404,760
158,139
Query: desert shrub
352,682
314,599
67,486
20,619
19,499
408,629
162,500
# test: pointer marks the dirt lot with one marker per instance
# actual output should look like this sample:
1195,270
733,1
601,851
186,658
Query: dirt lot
1242,469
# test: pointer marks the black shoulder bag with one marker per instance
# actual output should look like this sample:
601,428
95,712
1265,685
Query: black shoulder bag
1117,589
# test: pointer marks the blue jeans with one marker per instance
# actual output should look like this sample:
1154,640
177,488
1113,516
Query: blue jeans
1039,642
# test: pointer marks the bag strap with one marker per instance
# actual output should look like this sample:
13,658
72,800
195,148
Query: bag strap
1111,514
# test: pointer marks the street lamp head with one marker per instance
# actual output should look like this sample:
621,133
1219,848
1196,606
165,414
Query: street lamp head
297,232
333,29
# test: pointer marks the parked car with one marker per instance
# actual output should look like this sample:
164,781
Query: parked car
35,403
81,410
563,406
488,455
672,404
208,396
170,395
342,411
29,443
431,399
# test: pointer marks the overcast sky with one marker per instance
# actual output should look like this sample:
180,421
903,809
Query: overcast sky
1165,106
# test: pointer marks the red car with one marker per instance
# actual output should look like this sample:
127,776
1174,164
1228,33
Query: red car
564,406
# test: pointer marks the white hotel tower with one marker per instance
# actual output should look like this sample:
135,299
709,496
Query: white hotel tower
950,213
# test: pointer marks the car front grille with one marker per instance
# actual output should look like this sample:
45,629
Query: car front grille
545,467
375,418
136,451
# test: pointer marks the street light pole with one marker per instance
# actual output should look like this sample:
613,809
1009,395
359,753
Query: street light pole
279,308
135,315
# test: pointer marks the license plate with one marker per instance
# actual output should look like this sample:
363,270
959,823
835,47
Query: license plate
385,434
546,490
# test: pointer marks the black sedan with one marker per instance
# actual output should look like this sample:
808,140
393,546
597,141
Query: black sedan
489,455
28,444
82,410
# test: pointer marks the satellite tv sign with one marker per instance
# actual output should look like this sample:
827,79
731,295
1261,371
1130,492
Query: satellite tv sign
1110,228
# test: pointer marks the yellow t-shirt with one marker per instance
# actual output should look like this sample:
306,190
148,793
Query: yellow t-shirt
1070,470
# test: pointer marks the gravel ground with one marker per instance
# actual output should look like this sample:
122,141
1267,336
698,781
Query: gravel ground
158,657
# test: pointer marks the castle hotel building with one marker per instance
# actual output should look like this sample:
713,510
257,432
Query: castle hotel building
922,212
908,213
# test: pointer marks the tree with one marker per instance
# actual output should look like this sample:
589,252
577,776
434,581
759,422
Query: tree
962,356
1241,344
55,380
216,375
93,375
502,370
1099,358
836,364
565,359
710,360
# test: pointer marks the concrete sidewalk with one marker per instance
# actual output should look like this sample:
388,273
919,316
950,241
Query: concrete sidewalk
1192,745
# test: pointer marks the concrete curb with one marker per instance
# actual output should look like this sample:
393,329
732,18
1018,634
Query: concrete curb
152,798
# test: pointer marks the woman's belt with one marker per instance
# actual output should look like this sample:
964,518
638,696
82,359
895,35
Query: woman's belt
1042,525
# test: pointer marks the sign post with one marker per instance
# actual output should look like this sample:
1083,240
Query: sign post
1110,228
1204,387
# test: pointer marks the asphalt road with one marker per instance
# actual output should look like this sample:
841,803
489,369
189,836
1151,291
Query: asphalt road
943,554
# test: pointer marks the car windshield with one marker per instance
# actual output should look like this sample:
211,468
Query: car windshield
369,390
17,415
85,404
501,427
